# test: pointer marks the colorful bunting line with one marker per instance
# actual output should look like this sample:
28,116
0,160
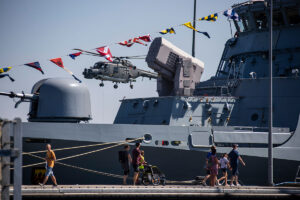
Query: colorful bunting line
231,14
145,38
35,65
59,62
127,43
212,18
74,55
168,30
5,69
7,75
105,51
130,42
189,25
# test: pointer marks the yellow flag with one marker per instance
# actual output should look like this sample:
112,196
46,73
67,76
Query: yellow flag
189,25
5,69
212,17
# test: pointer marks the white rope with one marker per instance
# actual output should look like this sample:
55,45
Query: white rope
75,147
82,154
83,169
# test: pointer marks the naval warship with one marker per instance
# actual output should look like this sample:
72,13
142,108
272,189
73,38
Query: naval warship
179,126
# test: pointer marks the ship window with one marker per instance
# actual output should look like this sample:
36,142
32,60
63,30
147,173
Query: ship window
293,15
37,140
260,20
254,117
245,21
176,143
278,19
241,26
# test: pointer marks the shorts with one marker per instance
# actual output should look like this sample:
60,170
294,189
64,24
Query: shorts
224,170
235,171
213,171
135,167
125,167
49,171
207,172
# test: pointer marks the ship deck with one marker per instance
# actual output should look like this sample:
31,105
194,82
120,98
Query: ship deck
157,192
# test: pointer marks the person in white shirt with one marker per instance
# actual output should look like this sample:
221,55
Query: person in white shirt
224,167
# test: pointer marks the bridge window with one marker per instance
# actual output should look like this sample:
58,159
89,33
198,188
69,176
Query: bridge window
278,18
293,15
240,25
260,20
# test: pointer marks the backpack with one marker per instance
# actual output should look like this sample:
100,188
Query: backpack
210,162
122,156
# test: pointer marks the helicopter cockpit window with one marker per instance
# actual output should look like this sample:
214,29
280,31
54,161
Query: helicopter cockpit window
98,65
293,15
260,20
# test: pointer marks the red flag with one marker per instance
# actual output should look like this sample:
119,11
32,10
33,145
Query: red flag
146,38
137,40
35,65
74,55
105,51
58,62
128,43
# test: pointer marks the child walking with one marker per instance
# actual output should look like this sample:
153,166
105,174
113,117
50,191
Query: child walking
224,167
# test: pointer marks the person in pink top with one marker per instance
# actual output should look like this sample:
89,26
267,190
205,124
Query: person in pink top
214,166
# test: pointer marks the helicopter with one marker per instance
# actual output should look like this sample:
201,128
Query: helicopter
120,70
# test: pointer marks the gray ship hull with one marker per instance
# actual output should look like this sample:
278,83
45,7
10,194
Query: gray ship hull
178,162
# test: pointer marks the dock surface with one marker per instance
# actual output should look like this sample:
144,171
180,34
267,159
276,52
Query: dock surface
158,192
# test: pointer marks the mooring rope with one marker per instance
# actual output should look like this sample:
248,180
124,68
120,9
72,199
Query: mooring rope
89,152
74,147
108,174
81,168
82,154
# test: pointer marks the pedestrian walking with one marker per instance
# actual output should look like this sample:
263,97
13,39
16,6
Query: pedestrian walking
141,161
135,154
224,164
50,160
125,160
207,166
235,158
214,166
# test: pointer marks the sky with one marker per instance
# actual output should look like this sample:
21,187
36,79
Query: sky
39,30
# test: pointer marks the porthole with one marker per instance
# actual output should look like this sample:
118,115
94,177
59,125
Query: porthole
254,117
147,138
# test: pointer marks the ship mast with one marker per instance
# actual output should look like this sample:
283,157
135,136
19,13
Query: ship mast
194,24
270,146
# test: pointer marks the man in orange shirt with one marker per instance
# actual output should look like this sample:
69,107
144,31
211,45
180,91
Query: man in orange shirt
50,159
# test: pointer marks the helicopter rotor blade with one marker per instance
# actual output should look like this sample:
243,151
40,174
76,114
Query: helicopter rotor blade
88,52
120,57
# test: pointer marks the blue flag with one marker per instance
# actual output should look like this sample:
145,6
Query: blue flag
231,14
